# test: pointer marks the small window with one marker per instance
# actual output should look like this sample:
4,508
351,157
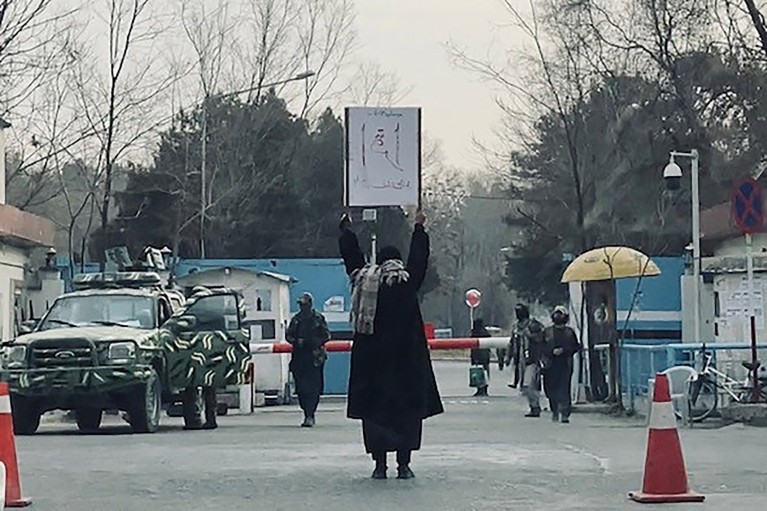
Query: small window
263,300
268,330
218,312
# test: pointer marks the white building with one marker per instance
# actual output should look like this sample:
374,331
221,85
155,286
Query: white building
726,295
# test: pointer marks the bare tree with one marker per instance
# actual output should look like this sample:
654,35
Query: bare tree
35,44
757,19
210,31
31,36
373,86
563,79
120,106
210,34
326,38
270,50
284,38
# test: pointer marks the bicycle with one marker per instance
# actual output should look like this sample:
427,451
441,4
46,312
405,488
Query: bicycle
706,386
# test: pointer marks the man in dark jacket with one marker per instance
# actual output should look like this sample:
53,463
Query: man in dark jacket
308,332
480,356
527,350
561,346
392,388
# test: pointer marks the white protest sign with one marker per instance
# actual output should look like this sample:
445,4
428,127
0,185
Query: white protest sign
383,157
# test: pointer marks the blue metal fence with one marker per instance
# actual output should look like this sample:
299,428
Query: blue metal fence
640,362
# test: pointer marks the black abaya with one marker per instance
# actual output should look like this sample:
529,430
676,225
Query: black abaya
391,384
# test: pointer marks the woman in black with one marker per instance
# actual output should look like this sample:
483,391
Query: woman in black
392,388
561,346
481,356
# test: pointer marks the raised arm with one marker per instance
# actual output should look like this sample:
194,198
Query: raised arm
349,247
418,258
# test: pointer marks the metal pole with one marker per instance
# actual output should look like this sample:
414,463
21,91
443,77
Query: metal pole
751,316
696,241
203,174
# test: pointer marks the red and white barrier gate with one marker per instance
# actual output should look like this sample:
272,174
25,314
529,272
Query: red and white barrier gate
434,344
247,391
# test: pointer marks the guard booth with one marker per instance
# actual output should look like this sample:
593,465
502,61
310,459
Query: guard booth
267,312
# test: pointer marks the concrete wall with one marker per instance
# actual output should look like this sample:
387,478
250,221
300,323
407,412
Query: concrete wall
2,166
12,262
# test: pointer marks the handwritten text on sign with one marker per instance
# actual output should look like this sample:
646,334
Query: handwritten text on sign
383,163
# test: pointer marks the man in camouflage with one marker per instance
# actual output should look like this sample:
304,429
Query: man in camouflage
308,332
191,395
527,350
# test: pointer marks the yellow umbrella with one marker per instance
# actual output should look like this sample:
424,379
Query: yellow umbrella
607,263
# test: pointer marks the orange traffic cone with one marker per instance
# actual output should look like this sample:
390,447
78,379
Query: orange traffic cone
8,452
665,476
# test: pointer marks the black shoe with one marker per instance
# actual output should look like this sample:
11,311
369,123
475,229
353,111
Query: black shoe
194,426
404,472
565,420
209,425
554,417
533,413
379,472
308,422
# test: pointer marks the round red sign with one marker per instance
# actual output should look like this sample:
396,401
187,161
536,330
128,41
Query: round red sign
473,298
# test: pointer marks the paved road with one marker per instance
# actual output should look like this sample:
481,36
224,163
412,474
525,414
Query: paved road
480,455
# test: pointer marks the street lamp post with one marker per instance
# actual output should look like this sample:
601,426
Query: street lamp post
204,143
672,173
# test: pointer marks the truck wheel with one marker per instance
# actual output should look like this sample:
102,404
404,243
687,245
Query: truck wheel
88,419
26,415
145,406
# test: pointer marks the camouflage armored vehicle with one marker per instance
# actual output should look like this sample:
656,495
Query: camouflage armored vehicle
121,341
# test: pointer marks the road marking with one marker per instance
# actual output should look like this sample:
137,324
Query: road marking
603,463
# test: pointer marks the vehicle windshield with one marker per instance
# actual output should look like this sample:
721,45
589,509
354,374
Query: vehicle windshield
101,310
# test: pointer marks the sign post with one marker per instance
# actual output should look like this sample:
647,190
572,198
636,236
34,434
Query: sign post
747,211
473,299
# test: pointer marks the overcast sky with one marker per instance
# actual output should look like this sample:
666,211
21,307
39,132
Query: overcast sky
408,38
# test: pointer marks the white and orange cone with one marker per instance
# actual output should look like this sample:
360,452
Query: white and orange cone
665,476
12,492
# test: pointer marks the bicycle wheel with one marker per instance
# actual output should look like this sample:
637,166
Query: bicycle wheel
703,400
747,395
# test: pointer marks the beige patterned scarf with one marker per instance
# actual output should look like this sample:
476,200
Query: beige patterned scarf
366,283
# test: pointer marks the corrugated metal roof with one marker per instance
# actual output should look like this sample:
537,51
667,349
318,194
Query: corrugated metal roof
273,275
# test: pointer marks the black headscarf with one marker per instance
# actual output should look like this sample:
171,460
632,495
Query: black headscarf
388,253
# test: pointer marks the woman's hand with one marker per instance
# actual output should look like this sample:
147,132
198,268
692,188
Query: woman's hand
345,222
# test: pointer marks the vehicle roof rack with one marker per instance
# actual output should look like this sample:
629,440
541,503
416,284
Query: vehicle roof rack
133,279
